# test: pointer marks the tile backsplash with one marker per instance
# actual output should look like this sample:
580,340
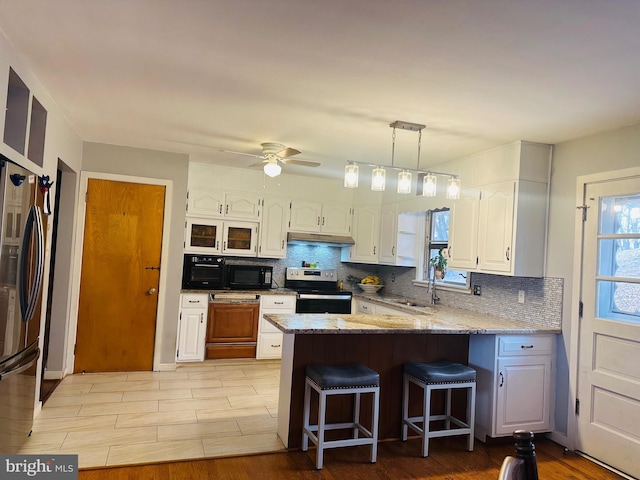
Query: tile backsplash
499,294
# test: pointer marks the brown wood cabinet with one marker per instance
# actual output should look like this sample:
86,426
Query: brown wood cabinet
232,330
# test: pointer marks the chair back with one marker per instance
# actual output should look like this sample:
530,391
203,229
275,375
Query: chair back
524,465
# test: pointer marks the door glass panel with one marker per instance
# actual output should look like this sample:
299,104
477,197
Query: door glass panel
203,235
239,238
619,258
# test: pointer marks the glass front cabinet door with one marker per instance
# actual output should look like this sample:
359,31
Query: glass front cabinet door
203,235
240,238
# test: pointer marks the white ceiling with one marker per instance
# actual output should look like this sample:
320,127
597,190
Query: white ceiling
328,76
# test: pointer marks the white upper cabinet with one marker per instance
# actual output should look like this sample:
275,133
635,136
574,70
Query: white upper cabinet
216,203
316,217
366,234
499,227
273,230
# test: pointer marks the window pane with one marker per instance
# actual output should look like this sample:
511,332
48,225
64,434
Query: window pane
619,257
619,300
440,226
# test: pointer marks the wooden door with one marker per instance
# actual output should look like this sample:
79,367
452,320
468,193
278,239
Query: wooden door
120,276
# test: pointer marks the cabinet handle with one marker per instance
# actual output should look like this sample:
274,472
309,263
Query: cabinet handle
322,220
217,244
278,303
226,212
220,210
507,252
282,244
526,346
393,251
275,346
194,301
224,245
501,379
318,220
202,318
374,250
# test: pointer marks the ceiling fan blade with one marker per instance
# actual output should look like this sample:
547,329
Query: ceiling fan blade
242,153
304,163
288,152
257,164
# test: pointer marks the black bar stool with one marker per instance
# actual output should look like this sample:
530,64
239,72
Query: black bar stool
442,375
350,379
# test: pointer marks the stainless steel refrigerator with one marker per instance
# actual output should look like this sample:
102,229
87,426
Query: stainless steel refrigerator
21,269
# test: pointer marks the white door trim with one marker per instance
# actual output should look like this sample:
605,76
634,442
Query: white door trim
77,259
576,291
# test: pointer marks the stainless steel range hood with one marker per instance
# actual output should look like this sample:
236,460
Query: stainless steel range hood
319,238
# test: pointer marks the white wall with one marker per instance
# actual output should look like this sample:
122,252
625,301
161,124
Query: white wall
139,162
601,152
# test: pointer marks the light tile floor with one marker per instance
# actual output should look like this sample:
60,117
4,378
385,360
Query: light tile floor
209,409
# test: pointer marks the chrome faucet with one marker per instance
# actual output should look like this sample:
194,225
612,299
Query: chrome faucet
432,287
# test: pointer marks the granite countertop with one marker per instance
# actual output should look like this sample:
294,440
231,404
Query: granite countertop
441,320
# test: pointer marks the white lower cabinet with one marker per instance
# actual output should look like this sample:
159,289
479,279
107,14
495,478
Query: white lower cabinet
192,327
514,383
269,337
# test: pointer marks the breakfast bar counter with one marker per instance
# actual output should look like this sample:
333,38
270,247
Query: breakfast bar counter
381,342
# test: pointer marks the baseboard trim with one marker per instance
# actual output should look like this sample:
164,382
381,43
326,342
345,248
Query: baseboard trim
166,367
53,375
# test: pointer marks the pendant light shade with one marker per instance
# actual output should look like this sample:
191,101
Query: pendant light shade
453,188
429,185
351,175
404,182
378,175
272,168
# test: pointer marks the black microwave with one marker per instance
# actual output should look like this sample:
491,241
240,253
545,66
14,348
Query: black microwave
249,277
203,272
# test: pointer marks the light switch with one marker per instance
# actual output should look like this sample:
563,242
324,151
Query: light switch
520,296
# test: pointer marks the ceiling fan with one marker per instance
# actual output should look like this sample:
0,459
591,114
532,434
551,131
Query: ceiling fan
272,155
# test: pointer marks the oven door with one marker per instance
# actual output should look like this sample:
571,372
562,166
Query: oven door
323,303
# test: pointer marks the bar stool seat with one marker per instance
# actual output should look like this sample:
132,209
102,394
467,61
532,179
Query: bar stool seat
349,379
443,375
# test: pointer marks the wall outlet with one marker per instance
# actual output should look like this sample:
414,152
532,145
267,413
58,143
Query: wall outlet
520,296
476,289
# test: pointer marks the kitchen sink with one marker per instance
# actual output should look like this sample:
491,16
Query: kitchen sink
407,303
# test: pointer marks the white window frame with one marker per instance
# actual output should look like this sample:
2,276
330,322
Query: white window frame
423,272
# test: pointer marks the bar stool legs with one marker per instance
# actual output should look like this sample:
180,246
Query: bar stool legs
328,381
439,376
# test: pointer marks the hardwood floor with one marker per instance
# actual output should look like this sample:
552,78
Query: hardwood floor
448,460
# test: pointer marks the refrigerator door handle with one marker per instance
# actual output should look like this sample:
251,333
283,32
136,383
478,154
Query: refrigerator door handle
29,293
27,363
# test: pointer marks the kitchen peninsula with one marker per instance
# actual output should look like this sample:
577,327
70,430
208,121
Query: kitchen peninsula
384,343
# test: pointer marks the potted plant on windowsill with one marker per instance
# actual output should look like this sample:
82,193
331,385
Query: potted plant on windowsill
439,263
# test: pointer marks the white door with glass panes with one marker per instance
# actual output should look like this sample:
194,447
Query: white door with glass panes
203,235
608,373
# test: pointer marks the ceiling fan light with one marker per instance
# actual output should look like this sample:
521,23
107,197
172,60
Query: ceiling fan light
453,188
404,182
272,168
351,175
378,175
429,185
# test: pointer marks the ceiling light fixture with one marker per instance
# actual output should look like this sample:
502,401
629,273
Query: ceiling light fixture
272,168
405,177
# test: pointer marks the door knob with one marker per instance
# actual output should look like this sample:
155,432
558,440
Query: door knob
151,291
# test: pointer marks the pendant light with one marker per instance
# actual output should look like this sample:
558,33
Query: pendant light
351,175
453,188
429,185
378,175
404,182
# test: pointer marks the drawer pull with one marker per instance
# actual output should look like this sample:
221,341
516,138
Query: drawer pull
526,346
275,346
278,303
